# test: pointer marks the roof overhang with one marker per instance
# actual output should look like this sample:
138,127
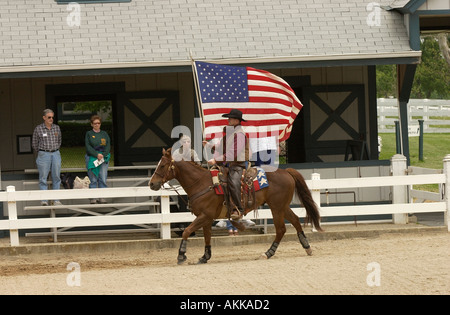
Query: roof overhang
405,7
305,61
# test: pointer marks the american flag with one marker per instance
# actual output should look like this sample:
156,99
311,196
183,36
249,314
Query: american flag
268,103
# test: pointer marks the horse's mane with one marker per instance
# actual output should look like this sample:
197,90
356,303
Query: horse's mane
194,164
169,153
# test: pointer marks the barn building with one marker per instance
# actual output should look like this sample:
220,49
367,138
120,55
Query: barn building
135,54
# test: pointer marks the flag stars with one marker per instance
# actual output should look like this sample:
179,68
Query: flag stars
220,83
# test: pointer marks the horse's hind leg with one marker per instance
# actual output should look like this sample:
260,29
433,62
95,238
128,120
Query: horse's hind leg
280,228
293,218
182,252
207,235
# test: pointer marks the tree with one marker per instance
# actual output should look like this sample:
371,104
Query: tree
432,79
386,81
95,107
443,45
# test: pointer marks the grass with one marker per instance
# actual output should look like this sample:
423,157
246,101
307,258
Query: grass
72,157
435,147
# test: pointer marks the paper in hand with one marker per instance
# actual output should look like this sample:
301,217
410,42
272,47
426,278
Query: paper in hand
98,162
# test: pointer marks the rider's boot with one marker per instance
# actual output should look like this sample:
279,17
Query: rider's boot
234,185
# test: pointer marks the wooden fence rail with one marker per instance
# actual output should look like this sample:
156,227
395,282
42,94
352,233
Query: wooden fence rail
400,207
434,113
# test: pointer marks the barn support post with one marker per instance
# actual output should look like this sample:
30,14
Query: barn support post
12,216
399,193
405,78
447,191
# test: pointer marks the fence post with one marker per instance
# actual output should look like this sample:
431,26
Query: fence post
315,193
12,215
398,143
421,140
165,213
399,193
447,191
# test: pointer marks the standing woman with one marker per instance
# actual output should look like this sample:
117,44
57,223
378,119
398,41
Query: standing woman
98,146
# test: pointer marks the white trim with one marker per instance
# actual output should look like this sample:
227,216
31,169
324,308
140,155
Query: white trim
187,62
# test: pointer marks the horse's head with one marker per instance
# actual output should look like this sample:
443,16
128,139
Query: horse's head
164,171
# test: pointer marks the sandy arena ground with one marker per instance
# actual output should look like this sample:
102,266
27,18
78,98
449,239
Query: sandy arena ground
388,264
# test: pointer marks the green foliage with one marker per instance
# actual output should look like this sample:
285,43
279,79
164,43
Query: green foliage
73,133
432,77
94,107
386,81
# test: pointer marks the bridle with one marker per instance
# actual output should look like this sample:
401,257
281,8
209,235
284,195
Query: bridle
170,169
164,177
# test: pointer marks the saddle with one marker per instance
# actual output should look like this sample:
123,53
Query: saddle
253,179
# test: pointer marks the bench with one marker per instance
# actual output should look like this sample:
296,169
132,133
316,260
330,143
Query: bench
96,210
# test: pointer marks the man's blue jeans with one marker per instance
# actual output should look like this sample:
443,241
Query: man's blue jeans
46,162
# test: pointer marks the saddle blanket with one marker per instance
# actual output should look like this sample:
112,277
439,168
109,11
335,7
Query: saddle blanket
259,182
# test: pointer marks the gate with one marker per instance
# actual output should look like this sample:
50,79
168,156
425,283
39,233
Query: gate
143,123
333,114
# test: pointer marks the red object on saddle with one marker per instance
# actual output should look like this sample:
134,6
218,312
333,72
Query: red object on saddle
217,188
259,182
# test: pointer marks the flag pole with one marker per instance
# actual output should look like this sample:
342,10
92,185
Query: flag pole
199,107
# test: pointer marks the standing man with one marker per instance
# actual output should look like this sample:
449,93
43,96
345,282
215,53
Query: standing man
233,152
46,143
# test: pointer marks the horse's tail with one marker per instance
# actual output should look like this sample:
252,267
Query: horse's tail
312,213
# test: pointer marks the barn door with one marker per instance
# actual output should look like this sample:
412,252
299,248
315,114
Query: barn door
333,115
144,121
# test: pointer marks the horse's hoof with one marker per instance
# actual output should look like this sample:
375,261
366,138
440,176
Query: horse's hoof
202,261
309,251
263,257
181,259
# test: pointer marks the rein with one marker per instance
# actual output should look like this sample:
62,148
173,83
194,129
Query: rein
164,177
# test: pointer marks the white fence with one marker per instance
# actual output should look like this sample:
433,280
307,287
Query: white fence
431,111
400,207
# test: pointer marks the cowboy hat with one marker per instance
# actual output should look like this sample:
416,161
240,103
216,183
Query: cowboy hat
234,113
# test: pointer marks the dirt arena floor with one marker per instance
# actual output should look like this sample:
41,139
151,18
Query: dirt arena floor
386,264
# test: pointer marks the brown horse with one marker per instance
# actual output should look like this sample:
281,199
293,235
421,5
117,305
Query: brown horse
207,206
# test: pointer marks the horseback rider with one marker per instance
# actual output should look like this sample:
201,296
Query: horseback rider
233,152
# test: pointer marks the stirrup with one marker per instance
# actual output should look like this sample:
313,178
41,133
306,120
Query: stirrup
236,215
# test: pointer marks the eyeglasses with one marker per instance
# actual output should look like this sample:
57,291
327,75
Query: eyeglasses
50,117
96,123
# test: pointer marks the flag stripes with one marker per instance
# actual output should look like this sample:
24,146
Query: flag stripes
268,103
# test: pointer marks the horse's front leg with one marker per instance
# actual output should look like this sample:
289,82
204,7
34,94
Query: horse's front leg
207,235
200,221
